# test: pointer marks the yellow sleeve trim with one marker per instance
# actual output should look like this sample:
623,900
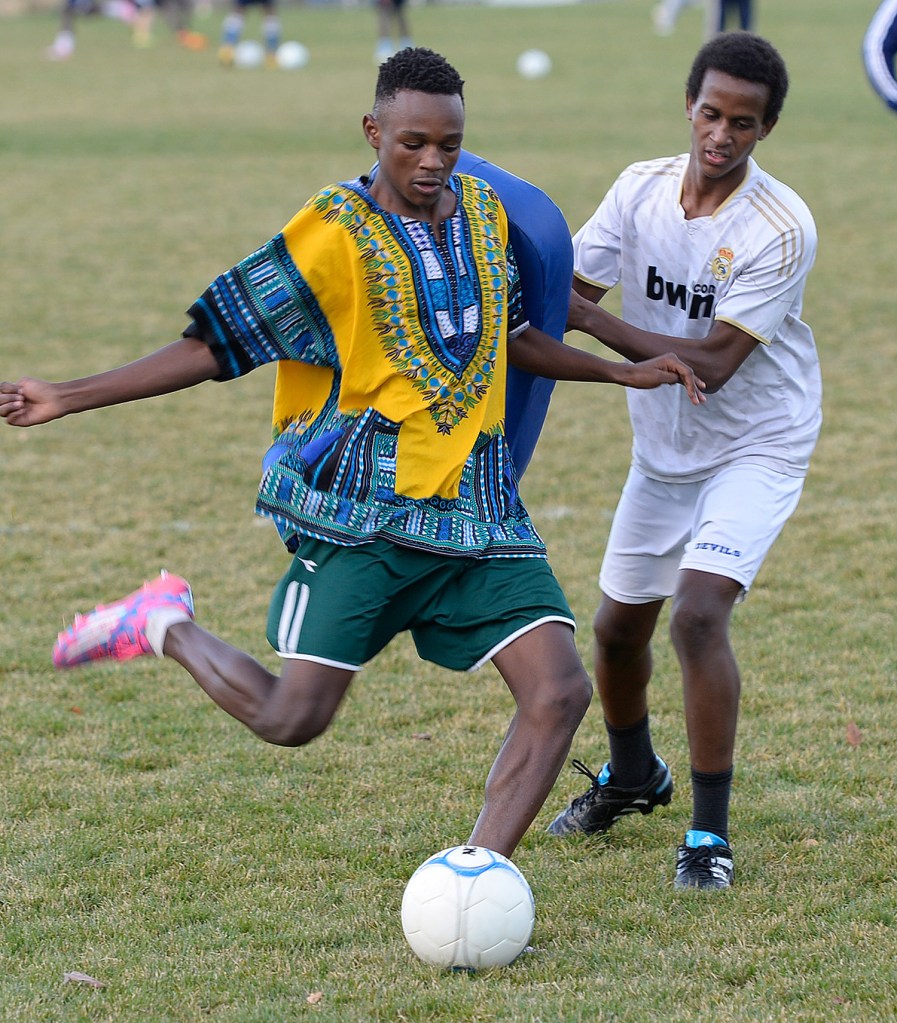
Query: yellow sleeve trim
741,326
595,284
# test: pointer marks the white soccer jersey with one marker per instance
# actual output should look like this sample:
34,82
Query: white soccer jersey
747,264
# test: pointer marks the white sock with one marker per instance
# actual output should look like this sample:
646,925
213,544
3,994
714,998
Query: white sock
160,621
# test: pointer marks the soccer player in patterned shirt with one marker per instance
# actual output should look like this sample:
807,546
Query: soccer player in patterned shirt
391,308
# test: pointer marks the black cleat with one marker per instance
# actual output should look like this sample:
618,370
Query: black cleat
703,865
603,804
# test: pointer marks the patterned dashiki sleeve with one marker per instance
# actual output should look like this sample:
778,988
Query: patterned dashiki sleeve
260,311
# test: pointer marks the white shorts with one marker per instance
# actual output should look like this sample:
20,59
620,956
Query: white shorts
724,525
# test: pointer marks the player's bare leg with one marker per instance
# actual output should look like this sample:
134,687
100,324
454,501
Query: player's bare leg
552,690
699,627
287,710
623,660
635,778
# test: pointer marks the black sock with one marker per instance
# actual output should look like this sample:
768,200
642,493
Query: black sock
710,793
631,753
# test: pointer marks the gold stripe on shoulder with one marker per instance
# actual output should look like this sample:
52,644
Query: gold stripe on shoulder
785,222
657,169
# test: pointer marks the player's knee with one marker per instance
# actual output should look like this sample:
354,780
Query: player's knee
695,625
564,701
288,732
580,699
615,637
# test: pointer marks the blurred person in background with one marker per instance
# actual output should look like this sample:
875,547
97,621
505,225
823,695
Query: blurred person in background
742,10
179,16
879,51
138,14
393,30
63,45
234,23
666,14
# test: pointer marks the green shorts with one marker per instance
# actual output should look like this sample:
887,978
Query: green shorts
342,605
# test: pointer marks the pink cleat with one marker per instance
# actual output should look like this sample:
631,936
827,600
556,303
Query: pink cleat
134,626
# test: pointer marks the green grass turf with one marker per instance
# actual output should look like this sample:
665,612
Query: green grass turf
151,842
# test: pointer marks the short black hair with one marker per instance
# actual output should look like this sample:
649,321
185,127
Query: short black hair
417,69
746,56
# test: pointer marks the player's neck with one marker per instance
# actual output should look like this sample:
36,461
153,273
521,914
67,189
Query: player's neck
703,196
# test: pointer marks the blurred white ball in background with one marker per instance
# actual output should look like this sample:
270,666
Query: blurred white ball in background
249,53
291,56
533,64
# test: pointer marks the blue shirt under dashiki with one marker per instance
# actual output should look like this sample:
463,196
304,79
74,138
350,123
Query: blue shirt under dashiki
391,349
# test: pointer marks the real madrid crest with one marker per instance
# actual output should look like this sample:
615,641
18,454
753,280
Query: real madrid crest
721,264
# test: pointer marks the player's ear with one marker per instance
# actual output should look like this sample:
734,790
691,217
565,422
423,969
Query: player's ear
767,127
371,128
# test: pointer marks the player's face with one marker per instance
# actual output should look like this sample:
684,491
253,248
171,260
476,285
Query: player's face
418,141
726,123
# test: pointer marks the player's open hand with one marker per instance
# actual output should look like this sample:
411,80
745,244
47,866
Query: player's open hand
28,402
667,369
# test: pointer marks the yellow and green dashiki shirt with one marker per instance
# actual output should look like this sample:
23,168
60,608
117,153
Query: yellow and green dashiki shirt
390,396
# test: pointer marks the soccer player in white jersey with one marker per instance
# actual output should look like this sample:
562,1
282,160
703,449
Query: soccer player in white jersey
712,254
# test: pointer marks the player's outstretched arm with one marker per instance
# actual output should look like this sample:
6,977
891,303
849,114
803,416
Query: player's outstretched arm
536,352
183,363
714,357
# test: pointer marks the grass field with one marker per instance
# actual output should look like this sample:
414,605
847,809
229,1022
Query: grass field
149,841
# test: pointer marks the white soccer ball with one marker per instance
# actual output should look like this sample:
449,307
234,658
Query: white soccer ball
248,53
468,907
291,56
533,64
